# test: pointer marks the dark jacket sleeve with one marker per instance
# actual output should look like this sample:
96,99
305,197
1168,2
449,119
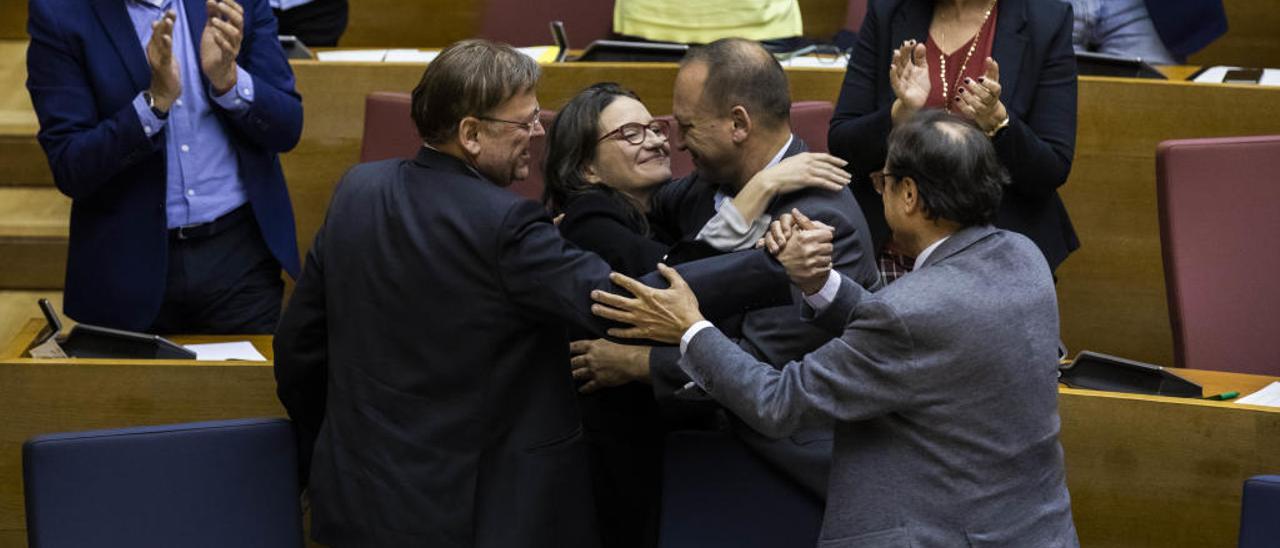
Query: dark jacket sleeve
859,128
1037,148
301,347
546,274
274,119
85,148
595,224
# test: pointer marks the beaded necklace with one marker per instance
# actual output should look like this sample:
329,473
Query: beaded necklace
942,59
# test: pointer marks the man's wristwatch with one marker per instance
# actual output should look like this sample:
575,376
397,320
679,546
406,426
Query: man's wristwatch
151,104
999,127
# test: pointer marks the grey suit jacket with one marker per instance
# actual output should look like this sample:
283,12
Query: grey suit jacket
943,389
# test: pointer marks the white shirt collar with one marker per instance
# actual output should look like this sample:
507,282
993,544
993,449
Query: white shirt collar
152,3
720,196
924,255
778,157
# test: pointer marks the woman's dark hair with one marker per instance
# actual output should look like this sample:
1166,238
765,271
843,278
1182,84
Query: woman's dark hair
957,173
572,141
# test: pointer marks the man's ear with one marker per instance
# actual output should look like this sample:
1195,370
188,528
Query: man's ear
910,195
469,135
742,124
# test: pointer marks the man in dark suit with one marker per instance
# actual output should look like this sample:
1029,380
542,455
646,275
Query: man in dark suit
422,354
732,104
942,386
180,220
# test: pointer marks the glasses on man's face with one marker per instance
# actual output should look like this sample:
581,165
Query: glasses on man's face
878,178
636,132
529,126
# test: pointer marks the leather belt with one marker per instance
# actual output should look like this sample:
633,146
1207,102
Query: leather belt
204,230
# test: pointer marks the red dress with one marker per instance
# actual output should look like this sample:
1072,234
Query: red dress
973,69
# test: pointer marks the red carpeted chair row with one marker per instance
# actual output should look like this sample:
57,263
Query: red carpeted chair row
389,133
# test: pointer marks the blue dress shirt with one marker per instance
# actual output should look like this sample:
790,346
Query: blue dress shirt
203,177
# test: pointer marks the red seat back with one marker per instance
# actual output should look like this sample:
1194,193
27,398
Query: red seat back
1219,223
389,132
810,120
523,23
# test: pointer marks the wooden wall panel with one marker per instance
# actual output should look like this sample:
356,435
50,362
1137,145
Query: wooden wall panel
1252,39
1111,291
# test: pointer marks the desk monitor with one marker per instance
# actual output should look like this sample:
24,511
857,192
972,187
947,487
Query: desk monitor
294,48
618,50
1101,64
1102,372
91,341
562,40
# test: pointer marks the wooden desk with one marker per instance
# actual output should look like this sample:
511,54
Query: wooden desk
1157,471
1143,471
44,396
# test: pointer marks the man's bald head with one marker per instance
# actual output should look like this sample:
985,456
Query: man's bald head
741,72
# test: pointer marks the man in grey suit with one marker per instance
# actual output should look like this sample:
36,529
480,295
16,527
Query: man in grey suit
942,386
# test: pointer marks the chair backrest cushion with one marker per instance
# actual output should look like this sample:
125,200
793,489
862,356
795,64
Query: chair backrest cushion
214,484
1260,512
1219,221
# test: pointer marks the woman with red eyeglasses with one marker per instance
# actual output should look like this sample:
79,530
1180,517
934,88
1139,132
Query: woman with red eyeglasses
606,155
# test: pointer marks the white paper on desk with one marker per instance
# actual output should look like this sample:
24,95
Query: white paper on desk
1214,75
814,61
410,56
358,55
1268,396
216,352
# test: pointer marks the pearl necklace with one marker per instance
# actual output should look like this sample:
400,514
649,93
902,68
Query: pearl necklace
942,59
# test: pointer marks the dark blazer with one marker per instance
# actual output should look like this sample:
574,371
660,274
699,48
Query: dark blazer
773,335
85,66
423,356
943,388
1187,26
598,222
1038,80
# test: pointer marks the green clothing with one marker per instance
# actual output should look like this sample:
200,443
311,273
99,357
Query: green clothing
705,21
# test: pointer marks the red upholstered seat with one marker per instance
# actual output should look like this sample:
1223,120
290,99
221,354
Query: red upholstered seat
1219,224
810,120
389,132
524,23
855,12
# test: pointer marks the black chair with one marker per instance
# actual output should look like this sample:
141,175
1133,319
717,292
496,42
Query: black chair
207,484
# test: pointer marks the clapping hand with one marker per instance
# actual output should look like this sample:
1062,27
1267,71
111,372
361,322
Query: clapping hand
804,247
220,43
979,100
661,315
166,82
909,77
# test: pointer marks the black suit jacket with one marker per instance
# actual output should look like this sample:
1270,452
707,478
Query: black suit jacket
1038,80
423,355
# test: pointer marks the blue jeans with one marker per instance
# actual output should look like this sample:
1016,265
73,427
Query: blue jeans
1118,27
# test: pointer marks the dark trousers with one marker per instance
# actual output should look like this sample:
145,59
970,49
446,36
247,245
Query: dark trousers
319,23
222,279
